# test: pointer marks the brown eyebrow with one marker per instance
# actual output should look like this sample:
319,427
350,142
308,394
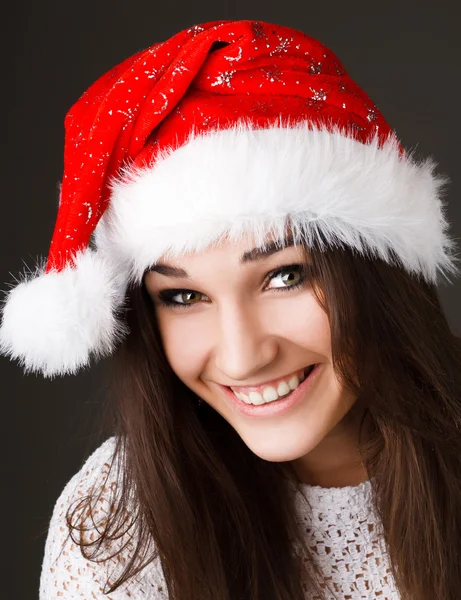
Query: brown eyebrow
249,256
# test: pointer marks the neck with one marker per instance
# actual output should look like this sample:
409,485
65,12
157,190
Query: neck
336,460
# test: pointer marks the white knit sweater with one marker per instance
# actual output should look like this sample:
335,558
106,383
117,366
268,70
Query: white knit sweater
340,526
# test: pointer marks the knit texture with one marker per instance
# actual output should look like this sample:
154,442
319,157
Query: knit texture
340,526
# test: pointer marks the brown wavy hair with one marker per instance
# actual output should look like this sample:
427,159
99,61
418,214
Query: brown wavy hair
222,520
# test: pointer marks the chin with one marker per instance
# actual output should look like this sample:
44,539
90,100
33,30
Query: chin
279,447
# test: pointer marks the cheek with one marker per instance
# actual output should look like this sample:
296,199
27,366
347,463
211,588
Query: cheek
185,344
303,322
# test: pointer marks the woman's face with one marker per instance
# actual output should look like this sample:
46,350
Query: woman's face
239,326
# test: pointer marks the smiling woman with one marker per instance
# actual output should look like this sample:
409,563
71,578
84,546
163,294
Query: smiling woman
285,390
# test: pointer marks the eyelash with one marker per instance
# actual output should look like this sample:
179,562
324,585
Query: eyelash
166,295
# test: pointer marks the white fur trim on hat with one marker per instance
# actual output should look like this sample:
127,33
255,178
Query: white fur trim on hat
243,181
228,184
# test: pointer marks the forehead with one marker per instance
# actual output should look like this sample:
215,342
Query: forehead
243,251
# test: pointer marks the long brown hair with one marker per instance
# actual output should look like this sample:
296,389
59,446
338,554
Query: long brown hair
222,520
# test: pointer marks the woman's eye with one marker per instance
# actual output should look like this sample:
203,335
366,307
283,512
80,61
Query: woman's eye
189,297
290,281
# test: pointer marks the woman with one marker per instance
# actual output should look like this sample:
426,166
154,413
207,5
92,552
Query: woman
266,445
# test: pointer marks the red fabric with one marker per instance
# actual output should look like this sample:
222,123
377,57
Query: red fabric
208,76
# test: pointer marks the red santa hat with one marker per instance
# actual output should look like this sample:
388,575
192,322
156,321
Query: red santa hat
226,129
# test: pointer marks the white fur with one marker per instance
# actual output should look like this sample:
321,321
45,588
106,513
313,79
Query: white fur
53,322
243,181
228,184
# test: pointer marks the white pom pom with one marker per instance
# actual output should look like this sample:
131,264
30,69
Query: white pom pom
53,322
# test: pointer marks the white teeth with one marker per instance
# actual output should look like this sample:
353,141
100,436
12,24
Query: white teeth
255,398
283,388
270,393
242,397
293,383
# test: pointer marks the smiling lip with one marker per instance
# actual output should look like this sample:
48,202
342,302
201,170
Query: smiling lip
277,407
246,389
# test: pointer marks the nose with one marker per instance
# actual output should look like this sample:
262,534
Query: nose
245,343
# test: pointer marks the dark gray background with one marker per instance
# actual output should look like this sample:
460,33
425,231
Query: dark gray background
406,57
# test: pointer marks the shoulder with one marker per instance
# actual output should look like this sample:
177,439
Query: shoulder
66,574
